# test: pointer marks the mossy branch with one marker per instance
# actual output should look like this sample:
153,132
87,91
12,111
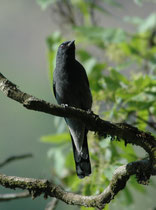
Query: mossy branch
143,169
36,187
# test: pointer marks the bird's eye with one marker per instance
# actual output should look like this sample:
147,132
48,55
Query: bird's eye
62,46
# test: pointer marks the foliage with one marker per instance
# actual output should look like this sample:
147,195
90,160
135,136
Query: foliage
123,85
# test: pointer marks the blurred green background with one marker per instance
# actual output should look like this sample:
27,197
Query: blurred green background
24,59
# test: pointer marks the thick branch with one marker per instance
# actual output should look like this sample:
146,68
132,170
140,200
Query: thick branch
40,186
143,169
124,131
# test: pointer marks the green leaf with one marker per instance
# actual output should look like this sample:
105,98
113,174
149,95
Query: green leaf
108,172
134,20
106,207
142,118
100,34
104,143
149,23
142,82
84,9
73,181
89,64
56,138
108,155
142,105
126,152
128,197
58,155
84,55
113,3
140,188
111,83
87,190
87,208
45,3
99,8
143,24
70,164
60,124
119,77
138,2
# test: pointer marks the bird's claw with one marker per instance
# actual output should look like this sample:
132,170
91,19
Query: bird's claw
64,105
89,111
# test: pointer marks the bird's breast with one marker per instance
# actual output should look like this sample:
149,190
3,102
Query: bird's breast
66,88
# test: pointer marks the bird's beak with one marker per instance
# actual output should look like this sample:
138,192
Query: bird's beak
71,43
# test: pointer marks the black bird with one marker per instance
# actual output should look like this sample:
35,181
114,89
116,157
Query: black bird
71,87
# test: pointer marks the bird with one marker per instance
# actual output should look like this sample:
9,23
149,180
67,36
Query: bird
71,88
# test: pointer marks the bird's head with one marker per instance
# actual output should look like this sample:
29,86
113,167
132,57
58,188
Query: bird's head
67,49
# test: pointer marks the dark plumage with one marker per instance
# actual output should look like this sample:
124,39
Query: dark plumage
71,87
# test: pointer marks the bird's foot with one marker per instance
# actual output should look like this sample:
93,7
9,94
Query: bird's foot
64,105
89,111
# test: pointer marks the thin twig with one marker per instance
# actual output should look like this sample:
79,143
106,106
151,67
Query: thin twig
52,204
14,196
151,124
14,158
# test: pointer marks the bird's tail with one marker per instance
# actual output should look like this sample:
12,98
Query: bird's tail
82,160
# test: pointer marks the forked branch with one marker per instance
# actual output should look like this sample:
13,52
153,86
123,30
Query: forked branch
142,169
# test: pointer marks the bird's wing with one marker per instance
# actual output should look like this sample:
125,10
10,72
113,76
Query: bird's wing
77,130
82,72
54,89
80,97
84,89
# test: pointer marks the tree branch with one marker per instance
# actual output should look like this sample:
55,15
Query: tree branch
123,131
36,187
13,158
14,196
143,169
52,204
